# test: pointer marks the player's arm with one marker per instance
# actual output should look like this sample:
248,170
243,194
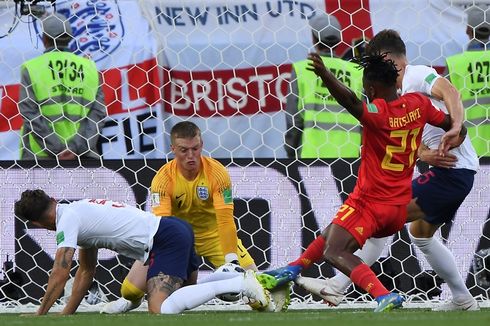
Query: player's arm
227,233
444,91
432,157
343,94
83,279
294,119
161,194
161,205
452,140
223,205
57,279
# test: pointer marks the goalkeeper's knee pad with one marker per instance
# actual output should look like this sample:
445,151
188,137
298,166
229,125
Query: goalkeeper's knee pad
130,292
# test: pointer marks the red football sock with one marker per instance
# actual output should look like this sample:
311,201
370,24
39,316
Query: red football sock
312,254
365,278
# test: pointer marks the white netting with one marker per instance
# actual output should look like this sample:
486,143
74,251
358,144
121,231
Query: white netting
226,66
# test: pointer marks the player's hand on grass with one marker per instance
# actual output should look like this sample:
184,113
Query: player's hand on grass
432,157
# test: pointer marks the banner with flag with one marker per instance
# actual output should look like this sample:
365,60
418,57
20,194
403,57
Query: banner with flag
227,64
119,40
222,64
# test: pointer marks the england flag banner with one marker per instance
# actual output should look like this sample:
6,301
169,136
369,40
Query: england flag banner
226,65
223,64
119,40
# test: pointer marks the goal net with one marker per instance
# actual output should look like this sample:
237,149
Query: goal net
225,65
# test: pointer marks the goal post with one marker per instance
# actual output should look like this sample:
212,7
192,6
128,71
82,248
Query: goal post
225,65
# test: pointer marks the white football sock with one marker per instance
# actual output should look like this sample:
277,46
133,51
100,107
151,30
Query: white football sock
442,261
189,297
369,253
218,276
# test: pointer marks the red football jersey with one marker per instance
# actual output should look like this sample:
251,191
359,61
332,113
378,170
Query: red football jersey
392,133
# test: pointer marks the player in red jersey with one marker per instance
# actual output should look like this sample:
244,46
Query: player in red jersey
392,131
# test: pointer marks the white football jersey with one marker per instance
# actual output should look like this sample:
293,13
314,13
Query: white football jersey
421,79
107,224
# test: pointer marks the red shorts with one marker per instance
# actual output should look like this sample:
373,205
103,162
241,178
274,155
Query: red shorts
365,219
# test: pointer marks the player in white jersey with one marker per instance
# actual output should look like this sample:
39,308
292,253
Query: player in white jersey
437,194
165,244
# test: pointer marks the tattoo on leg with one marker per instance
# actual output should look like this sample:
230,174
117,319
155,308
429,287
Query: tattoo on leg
166,284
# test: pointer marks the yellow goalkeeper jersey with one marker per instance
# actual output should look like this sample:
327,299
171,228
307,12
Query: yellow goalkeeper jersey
205,202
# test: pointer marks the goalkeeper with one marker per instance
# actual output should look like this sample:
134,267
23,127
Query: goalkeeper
198,190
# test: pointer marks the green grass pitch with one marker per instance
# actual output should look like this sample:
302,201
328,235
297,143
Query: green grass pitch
403,317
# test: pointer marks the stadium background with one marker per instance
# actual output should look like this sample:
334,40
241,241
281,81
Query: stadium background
224,65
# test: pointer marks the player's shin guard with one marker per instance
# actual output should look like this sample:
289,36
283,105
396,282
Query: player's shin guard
130,292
